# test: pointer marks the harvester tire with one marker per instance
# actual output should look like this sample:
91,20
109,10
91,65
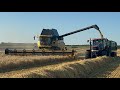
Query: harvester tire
88,54
33,51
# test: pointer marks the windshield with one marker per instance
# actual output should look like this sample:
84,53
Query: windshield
97,42
45,40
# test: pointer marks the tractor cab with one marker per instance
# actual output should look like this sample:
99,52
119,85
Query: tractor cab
96,42
99,43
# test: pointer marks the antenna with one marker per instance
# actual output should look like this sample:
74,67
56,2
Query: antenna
34,37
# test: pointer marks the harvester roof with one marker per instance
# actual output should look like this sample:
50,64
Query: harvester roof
52,32
99,38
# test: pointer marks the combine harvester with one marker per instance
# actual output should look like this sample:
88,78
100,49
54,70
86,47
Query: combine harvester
50,43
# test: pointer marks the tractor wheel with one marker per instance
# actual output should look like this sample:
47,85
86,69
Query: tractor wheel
100,53
88,54
93,56
104,53
108,54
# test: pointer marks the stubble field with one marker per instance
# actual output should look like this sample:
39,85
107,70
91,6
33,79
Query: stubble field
59,66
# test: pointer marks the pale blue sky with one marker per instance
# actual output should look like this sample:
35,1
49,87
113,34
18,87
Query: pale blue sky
22,26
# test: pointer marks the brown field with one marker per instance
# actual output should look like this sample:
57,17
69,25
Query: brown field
59,66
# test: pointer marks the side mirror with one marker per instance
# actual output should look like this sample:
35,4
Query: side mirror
34,37
88,40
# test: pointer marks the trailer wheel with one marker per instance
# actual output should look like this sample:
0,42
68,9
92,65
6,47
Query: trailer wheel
88,54
113,54
116,54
